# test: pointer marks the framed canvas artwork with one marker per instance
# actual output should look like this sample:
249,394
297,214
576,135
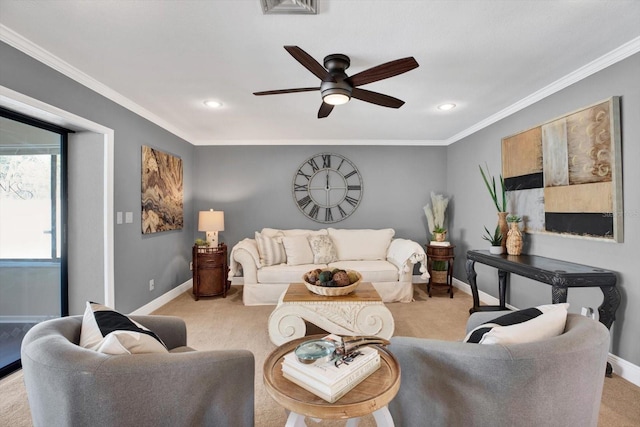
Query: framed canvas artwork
565,176
162,192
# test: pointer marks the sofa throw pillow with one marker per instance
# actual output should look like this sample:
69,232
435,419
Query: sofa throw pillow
298,250
361,244
522,326
324,252
271,249
107,331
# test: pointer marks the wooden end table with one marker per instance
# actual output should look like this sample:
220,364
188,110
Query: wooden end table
371,396
445,254
361,312
210,270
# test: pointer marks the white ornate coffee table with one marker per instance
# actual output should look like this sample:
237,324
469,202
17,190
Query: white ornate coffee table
359,313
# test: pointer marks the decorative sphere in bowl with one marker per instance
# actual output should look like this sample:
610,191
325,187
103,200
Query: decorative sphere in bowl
332,282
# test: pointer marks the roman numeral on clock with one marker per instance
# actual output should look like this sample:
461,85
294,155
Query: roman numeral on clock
304,202
351,201
313,164
326,161
314,211
328,216
300,173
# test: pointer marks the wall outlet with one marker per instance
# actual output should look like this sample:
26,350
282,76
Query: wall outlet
152,284
191,265
588,312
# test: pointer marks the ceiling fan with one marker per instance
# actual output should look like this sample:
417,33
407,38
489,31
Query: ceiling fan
337,88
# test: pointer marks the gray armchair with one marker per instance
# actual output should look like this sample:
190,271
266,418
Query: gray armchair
555,382
68,385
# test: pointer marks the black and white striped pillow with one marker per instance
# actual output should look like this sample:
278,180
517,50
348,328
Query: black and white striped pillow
527,325
107,331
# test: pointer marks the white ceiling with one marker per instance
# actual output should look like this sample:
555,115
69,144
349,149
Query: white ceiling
162,59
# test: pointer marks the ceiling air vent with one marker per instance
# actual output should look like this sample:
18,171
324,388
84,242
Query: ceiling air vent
288,7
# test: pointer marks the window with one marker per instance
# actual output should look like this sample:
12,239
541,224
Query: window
33,285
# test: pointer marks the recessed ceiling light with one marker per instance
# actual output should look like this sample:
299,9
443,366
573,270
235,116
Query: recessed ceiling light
213,104
446,107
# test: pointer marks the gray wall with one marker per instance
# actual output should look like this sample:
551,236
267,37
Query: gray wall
85,238
163,257
252,185
474,208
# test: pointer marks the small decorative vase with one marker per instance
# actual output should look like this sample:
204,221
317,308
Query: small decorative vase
440,237
496,250
504,228
514,240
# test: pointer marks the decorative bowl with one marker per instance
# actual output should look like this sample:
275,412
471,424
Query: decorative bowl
333,291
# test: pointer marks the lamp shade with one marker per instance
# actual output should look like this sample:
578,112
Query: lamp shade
211,220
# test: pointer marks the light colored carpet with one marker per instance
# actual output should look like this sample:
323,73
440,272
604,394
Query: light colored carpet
223,323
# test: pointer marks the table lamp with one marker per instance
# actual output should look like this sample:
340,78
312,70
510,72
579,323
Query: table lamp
211,222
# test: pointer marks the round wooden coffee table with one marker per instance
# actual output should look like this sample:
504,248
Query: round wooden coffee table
369,397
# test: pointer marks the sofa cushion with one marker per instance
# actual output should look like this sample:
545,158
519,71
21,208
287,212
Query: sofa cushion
323,249
522,326
361,244
372,271
271,249
297,249
285,273
107,331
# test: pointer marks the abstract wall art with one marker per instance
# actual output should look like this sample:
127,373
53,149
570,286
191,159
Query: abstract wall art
565,176
162,205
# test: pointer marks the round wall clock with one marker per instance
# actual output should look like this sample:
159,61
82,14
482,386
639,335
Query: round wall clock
327,188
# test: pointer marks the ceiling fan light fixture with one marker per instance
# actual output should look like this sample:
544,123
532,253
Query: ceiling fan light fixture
335,93
336,98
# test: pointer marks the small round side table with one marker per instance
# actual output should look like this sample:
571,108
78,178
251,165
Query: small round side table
371,396
440,253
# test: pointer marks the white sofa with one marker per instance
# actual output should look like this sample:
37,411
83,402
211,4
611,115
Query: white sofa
275,258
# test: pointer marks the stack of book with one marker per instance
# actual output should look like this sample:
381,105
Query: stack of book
333,379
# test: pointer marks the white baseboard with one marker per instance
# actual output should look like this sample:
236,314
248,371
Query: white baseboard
173,293
624,369
163,299
621,367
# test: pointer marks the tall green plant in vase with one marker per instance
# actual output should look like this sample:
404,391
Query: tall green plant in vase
499,200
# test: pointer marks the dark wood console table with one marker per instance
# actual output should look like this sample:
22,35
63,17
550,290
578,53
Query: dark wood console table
561,275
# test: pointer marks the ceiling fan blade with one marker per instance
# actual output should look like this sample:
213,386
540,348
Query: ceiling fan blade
383,71
280,91
376,98
310,64
325,110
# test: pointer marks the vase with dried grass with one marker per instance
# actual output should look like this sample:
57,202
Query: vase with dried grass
435,214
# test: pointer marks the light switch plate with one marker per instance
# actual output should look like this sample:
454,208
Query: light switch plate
128,218
118,217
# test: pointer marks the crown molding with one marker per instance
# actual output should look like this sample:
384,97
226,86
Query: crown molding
26,46
626,50
340,142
